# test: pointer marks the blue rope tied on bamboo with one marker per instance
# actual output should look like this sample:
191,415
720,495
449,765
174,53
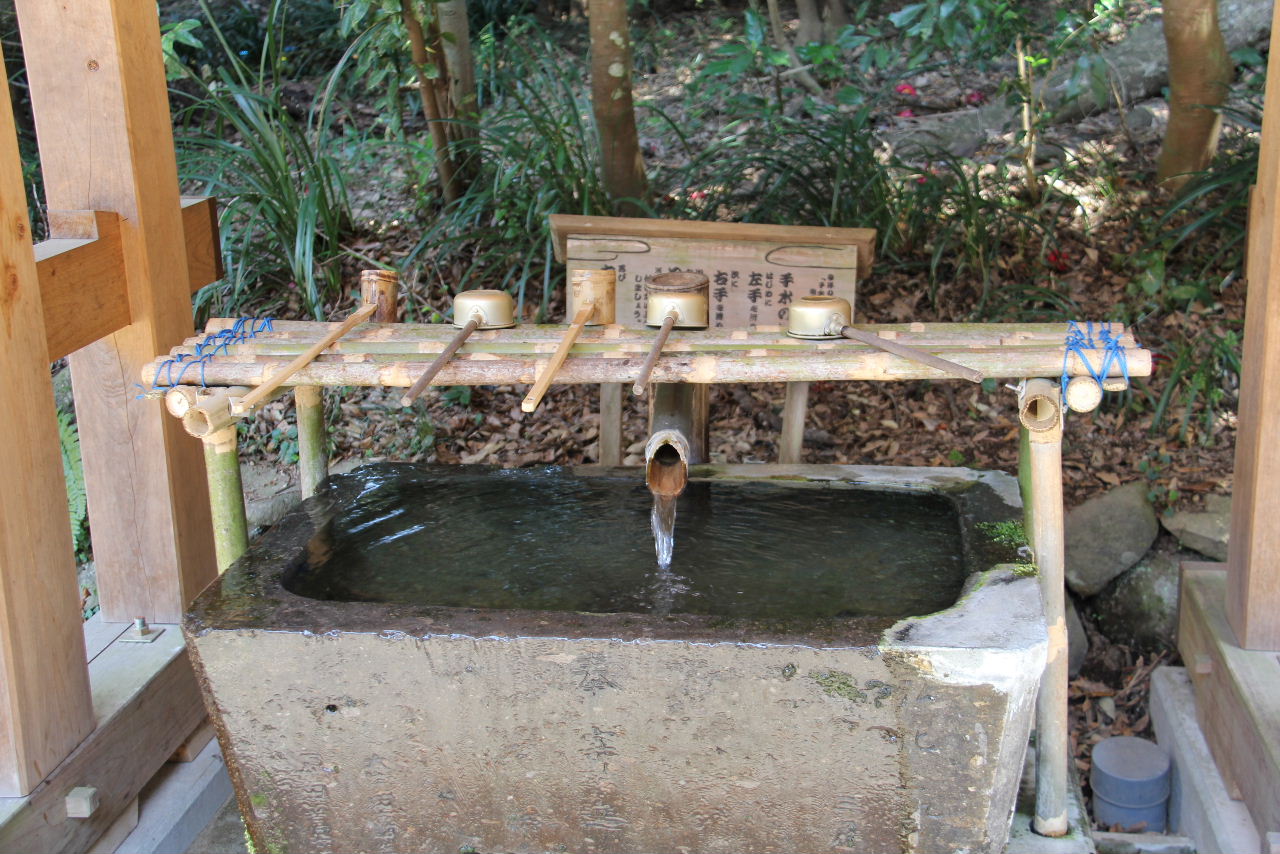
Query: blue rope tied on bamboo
214,344
1081,341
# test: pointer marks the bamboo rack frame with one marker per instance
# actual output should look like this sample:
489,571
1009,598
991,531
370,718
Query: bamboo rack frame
395,355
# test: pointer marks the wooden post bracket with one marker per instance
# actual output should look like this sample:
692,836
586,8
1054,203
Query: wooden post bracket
82,277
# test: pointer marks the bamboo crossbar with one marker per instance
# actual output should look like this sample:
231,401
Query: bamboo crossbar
395,355
743,366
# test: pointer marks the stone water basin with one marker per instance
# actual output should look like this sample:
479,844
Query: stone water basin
471,659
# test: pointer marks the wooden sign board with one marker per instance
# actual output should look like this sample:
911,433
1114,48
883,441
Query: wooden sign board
756,271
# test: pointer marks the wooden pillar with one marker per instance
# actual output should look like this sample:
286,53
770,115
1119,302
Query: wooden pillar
612,396
102,113
1253,560
45,705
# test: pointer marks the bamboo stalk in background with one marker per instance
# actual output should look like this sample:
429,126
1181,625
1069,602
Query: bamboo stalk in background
313,453
265,390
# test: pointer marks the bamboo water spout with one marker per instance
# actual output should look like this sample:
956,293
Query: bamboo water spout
828,317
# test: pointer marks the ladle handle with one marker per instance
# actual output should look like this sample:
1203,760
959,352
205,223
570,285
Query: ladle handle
263,391
668,323
534,397
913,354
440,361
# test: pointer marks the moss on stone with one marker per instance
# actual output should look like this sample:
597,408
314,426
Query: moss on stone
1008,533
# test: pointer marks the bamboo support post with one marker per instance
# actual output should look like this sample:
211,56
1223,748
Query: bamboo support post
226,496
552,366
265,390
382,289
434,368
794,408
873,340
313,451
646,370
1040,410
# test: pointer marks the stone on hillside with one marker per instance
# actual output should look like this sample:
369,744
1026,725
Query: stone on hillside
1141,606
1077,641
1108,534
1206,531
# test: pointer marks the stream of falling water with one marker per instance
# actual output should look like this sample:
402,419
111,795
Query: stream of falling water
667,585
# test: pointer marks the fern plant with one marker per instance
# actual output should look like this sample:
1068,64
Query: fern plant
73,472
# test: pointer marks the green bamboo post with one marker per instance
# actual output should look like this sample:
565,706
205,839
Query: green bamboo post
313,453
1040,411
226,496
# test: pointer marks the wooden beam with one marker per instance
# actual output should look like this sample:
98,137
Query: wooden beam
44,688
82,278
562,225
146,703
1253,597
82,281
1237,693
102,115
201,236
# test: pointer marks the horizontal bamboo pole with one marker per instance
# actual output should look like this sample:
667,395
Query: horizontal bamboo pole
553,331
432,338
264,390
862,363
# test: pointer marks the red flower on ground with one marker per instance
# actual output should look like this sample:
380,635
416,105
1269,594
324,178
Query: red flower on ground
1057,260
905,114
975,99
905,89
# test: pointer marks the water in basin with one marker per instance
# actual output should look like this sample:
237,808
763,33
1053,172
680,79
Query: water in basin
553,540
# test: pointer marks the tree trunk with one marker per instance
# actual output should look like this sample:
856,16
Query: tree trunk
1199,73
810,26
836,20
623,168
456,42
431,108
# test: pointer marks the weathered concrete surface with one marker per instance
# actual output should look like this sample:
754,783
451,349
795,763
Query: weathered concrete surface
368,727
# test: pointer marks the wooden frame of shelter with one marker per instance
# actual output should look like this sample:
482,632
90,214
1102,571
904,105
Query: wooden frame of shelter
111,289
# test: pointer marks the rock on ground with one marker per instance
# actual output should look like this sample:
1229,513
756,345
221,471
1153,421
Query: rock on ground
1140,608
1077,640
1207,531
1106,535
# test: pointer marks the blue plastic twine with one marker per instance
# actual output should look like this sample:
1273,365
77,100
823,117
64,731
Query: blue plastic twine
214,344
1080,341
